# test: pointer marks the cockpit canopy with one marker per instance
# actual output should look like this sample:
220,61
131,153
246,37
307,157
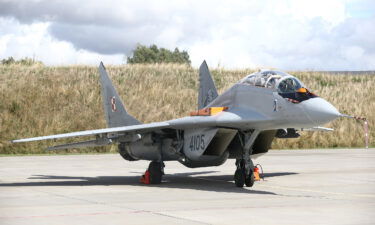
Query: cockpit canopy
285,84
274,80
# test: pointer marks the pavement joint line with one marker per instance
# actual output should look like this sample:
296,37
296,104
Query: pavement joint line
102,213
180,218
319,192
281,195
296,189
226,208
60,215
112,205
75,198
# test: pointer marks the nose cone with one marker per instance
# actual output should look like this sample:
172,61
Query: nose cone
320,111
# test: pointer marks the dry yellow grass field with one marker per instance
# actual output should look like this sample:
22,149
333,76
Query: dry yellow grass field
38,100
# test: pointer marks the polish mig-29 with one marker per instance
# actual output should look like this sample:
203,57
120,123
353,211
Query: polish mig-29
240,124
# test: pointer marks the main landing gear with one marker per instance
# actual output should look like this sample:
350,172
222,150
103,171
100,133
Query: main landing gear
154,173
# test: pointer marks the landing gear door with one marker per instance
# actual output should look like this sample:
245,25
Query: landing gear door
197,140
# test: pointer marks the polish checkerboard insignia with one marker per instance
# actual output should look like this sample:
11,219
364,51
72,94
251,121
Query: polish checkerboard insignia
113,104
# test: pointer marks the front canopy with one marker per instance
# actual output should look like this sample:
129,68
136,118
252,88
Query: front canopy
285,84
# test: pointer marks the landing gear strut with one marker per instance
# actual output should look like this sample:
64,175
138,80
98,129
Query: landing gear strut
154,173
244,174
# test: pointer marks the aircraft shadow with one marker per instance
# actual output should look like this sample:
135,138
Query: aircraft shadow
192,180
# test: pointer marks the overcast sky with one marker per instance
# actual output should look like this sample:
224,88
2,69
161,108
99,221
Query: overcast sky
283,34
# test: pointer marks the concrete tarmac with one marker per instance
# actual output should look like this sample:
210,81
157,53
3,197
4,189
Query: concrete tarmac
300,187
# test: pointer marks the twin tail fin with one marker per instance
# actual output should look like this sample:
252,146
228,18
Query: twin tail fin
115,112
207,89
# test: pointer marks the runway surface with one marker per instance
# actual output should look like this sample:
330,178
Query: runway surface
300,187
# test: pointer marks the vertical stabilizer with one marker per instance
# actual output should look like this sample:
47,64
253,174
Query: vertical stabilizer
207,89
115,113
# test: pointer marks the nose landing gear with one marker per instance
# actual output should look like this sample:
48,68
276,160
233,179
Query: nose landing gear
244,174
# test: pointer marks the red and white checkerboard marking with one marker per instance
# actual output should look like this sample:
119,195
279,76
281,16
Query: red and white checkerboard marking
113,104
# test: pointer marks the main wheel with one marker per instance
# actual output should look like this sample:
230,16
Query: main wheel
156,173
239,177
250,179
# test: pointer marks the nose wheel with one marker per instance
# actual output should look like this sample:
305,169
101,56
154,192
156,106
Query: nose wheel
244,174
239,177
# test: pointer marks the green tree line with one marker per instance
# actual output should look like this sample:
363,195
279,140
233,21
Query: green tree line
141,54
24,61
153,54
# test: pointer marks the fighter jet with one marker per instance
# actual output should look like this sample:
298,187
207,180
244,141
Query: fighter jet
240,124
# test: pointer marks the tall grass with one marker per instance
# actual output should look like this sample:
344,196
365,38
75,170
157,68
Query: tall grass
38,100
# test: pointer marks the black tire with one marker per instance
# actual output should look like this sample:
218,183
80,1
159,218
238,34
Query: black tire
155,170
239,178
249,180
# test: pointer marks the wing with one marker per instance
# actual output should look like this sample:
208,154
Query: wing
133,133
224,119
142,128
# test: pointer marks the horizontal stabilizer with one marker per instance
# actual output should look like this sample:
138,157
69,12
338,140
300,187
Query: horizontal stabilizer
92,143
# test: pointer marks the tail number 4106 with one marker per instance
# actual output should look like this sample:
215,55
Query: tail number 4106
197,142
